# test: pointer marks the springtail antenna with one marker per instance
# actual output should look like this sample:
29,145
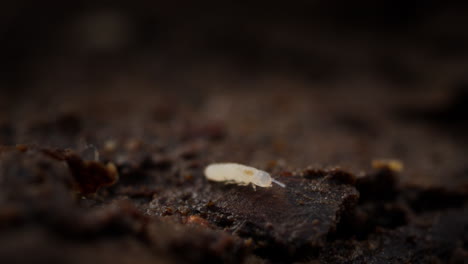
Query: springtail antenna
279,183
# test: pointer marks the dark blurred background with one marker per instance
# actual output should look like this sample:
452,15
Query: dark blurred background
59,43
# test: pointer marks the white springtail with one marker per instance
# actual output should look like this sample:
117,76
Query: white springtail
239,174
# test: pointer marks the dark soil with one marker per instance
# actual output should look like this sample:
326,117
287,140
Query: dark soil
103,146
